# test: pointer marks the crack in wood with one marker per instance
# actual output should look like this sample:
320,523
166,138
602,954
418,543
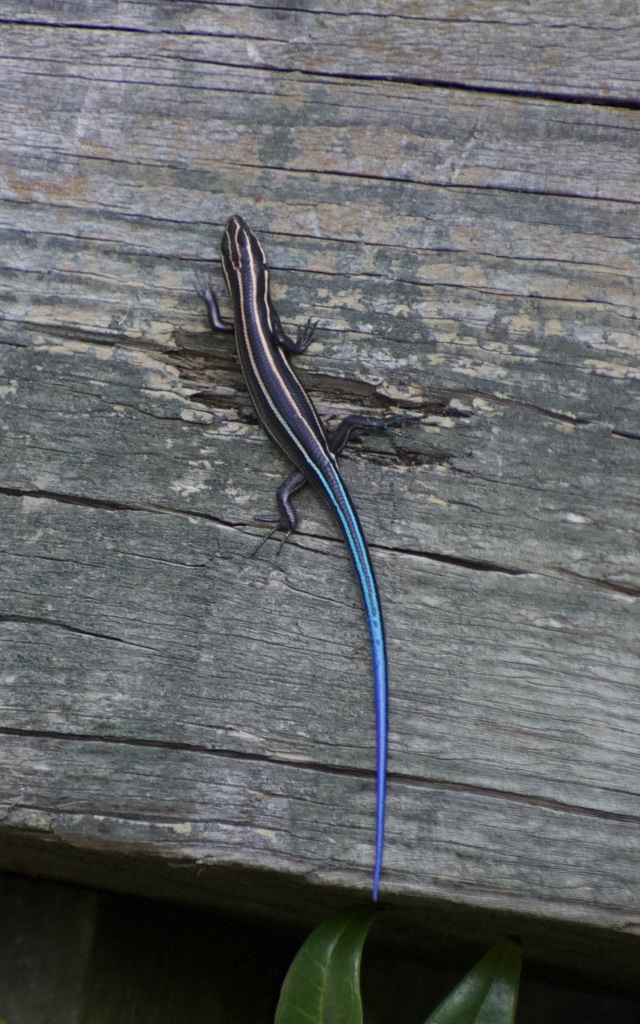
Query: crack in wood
37,620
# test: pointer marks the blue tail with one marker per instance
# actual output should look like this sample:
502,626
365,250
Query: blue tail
380,697
348,520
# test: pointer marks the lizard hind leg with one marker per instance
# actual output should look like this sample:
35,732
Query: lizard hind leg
288,519
358,421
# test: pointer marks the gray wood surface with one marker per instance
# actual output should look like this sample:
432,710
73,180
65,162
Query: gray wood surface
175,714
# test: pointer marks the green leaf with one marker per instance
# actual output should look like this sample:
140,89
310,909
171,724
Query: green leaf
489,992
322,985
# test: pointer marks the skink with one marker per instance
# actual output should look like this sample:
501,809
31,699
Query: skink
289,417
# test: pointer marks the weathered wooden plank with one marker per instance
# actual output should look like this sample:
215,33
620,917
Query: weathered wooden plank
567,50
149,639
320,126
472,258
545,253
131,624
210,809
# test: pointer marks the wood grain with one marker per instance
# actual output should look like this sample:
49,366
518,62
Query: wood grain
469,243
578,50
